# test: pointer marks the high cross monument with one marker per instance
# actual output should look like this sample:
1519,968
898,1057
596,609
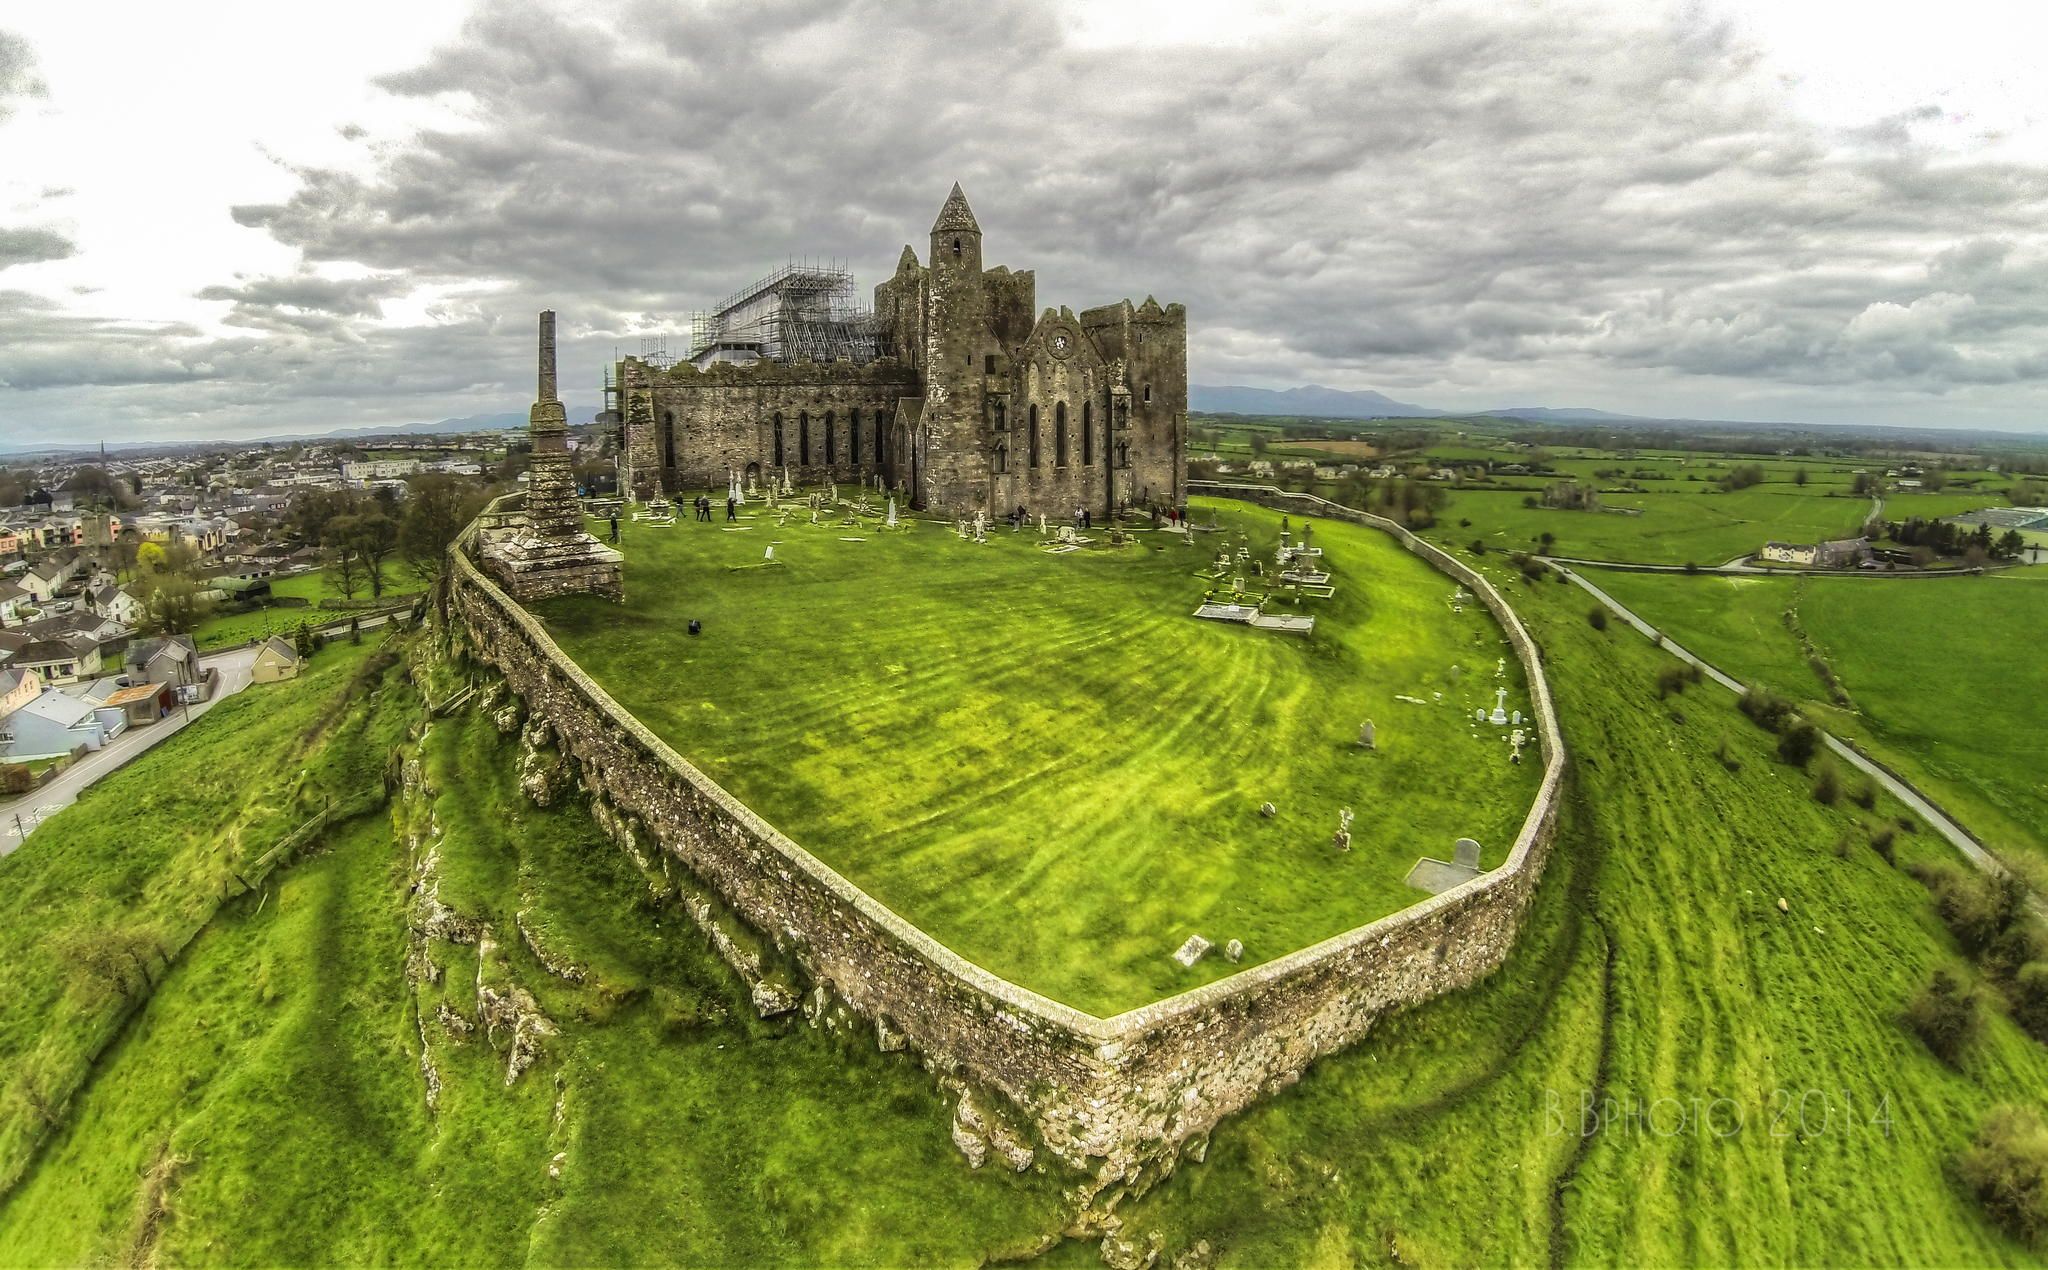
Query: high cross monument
546,552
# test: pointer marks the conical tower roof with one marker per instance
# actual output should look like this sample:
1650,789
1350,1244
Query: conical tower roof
955,217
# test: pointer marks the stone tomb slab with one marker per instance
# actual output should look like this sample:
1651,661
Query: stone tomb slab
1438,876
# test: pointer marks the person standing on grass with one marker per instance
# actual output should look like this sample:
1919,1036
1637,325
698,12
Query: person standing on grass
615,526
732,509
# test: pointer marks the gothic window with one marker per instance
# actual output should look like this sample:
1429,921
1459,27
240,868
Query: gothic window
803,437
780,461
1001,413
1059,435
853,437
881,437
1002,459
668,438
1123,454
829,445
1087,433
1034,434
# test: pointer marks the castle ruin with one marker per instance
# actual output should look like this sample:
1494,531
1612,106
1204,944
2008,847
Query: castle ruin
954,391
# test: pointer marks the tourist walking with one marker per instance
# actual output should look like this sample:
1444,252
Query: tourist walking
732,509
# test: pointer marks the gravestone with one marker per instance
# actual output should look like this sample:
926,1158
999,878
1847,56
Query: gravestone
1368,736
1465,854
1268,810
1191,952
1233,952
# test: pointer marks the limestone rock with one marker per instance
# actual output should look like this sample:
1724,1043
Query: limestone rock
888,1038
1122,1253
507,716
1233,952
971,1144
555,1165
771,999
1783,907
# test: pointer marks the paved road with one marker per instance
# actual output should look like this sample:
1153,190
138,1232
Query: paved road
28,811
1959,837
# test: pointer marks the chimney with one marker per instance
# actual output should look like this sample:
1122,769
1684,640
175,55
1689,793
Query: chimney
547,355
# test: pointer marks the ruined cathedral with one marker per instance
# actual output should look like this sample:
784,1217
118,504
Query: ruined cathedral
953,389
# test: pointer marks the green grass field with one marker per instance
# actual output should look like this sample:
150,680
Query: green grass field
1696,527
1667,1071
1942,685
1045,761
228,629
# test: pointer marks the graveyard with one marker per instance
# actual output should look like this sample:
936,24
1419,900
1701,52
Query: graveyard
1028,744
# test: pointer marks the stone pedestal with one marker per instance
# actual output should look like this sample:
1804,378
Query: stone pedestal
546,551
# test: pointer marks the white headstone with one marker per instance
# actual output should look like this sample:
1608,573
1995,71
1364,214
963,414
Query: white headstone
1191,951
1368,736
892,514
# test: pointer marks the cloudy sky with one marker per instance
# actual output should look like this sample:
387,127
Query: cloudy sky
247,218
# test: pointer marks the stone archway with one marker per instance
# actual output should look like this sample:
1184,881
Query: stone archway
753,476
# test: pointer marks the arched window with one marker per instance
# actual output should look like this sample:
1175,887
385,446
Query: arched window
1034,434
668,438
1059,434
1002,414
803,437
830,446
1002,459
1123,454
956,248
780,460
1087,433
853,437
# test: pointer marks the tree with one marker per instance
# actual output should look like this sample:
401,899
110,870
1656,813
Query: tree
1800,742
373,537
172,603
348,572
1799,476
435,513
1945,1016
2007,1168
149,557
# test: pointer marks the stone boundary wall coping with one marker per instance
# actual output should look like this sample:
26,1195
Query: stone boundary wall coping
1133,1025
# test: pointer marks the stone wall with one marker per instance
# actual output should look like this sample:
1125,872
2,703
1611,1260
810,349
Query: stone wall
1119,1090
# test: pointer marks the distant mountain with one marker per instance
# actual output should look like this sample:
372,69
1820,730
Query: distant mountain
1313,401
467,423
1564,414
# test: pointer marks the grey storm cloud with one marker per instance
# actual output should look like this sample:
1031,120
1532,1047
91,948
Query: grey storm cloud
30,246
1428,197
17,72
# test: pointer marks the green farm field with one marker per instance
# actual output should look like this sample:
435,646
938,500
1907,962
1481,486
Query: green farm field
229,629
1698,527
1045,761
1942,686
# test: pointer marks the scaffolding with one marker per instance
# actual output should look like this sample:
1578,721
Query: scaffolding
802,310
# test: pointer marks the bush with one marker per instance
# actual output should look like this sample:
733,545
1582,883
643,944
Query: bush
1598,617
1670,679
15,779
1799,743
1827,785
1881,842
1478,547
2030,999
1865,793
2007,1169
1767,709
1945,1016
1727,756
